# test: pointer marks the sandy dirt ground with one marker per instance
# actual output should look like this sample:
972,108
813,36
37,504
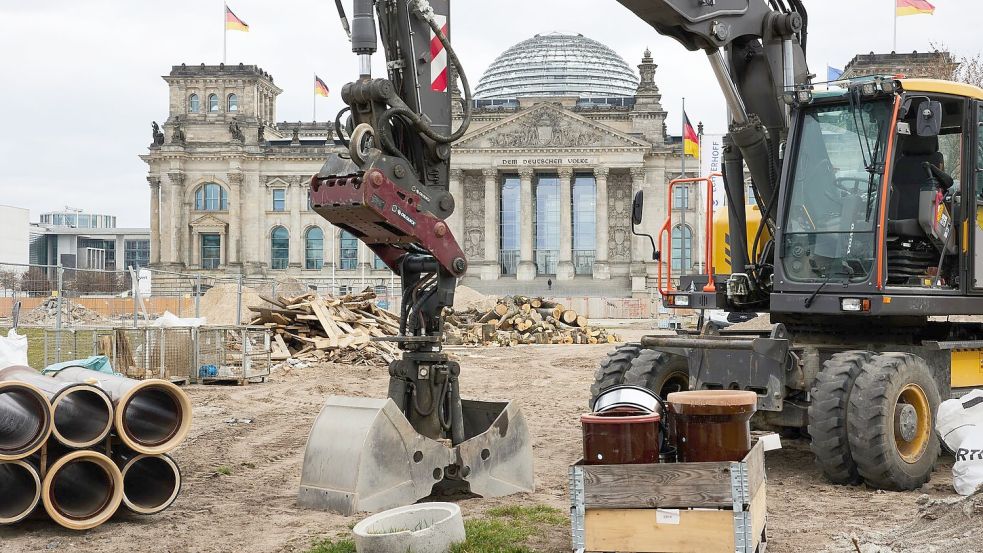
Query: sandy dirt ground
254,508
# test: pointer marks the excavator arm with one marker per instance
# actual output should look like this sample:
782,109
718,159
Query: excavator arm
371,454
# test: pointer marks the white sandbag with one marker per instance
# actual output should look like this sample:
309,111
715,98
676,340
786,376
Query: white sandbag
170,320
13,350
967,472
959,423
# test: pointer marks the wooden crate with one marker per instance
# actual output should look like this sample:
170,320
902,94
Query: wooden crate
670,508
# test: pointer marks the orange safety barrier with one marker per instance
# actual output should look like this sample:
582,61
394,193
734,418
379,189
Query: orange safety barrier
665,285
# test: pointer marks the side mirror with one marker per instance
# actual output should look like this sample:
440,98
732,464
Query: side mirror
637,205
929,121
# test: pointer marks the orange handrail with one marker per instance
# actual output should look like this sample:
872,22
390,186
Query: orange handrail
667,229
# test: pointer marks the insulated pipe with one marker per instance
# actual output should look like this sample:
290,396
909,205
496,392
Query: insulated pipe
25,419
21,488
82,413
152,416
82,490
151,483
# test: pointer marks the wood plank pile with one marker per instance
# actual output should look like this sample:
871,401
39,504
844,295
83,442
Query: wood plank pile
325,328
522,320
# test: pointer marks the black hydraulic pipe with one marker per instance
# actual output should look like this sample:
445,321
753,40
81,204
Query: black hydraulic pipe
733,170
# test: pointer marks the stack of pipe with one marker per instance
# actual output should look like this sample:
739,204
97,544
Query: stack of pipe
82,443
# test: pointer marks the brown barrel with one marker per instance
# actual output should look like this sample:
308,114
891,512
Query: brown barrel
621,437
712,425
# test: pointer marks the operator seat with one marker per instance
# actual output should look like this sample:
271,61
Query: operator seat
908,180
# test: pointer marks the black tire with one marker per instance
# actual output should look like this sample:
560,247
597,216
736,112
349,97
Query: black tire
885,459
659,371
612,370
828,425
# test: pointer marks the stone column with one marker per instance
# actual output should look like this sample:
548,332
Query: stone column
602,269
195,249
456,220
154,220
297,196
234,238
250,250
491,269
565,269
527,263
179,219
638,249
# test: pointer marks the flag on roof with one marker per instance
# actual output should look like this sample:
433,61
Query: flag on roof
691,140
914,7
833,74
233,23
320,88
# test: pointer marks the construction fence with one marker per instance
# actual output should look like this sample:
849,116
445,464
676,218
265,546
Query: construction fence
58,297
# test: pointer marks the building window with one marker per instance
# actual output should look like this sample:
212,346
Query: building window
314,249
584,224
211,197
509,232
212,103
279,199
279,248
211,251
680,196
136,253
348,259
233,103
193,103
682,249
547,223
378,264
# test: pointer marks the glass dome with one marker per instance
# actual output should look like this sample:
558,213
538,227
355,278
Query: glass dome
557,64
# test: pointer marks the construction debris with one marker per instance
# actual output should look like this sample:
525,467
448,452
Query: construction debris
325,328
518,320
47,313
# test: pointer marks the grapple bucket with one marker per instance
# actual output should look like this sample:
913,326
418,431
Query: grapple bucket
364,456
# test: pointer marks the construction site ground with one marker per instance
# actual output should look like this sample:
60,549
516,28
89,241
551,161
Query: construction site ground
243,458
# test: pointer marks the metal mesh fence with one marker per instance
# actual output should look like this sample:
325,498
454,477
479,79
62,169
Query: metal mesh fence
232,354
52,296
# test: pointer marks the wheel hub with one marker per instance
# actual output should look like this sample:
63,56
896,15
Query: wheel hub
906,422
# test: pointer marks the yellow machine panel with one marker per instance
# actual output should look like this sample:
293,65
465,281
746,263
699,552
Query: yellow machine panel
967,368
721,237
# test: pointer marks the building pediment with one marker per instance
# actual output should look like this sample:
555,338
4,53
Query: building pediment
548,126
209,223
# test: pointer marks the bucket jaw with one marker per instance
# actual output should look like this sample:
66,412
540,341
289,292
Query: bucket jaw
363,455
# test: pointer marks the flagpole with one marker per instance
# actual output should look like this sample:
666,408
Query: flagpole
315,97
685,206
894,49
225,31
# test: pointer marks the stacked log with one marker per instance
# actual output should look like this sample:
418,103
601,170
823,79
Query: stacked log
325,328
519,320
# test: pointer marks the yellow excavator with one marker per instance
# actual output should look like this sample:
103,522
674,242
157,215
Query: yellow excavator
861,233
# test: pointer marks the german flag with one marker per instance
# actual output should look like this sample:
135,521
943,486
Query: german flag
914,7
320,89
691,140
233,23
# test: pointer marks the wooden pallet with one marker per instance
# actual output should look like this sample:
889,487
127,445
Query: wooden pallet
671,507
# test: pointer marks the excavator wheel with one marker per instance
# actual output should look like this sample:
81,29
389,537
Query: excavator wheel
828,415
612,370
659,371
891,422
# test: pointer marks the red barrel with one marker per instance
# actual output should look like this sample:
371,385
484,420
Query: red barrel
712,425
621,437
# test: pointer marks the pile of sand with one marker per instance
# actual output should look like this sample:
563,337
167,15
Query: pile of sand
218,305
467,298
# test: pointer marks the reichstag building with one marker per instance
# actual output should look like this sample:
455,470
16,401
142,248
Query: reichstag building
563,133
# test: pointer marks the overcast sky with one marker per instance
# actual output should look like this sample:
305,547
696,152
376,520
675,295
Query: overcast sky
80,79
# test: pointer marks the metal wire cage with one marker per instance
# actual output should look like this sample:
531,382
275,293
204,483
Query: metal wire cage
233,354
